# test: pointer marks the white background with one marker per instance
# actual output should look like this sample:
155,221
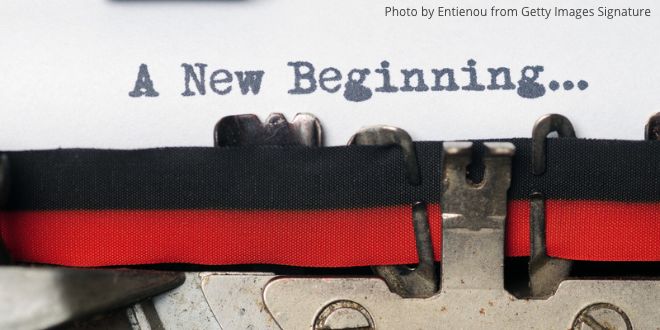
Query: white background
66,67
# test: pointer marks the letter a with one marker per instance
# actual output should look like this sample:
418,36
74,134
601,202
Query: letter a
143,84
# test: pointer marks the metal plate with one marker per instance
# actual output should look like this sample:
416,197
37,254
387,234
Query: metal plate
296,302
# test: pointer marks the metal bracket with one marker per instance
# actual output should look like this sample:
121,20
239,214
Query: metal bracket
295,303
421,281
544,126
545,272
473,217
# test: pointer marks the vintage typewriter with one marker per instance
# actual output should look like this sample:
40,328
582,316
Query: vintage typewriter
271,230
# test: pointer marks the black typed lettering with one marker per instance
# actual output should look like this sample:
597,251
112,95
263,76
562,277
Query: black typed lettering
190,74
144,86
360,85
249,81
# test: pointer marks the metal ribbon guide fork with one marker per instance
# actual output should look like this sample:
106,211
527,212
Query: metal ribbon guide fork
421,281
545,272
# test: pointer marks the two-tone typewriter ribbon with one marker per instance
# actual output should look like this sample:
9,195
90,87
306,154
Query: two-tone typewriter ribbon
290,204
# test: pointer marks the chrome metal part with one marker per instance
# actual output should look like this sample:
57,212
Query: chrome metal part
652,130
42,297
473,217
544,126
545,273
602,316
421,281
240,130
295,303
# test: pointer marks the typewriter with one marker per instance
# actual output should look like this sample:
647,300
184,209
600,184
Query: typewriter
269,229
154,173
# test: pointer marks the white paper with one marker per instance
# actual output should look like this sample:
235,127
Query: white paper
67,66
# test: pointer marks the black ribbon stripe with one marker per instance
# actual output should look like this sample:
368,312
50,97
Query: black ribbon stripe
266,177
218,178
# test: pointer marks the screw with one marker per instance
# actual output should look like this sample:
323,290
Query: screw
344,315
602,316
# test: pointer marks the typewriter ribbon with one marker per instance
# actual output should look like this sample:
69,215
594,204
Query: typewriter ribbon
314,206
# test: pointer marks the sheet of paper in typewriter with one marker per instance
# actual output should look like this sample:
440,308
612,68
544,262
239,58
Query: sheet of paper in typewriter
132,74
